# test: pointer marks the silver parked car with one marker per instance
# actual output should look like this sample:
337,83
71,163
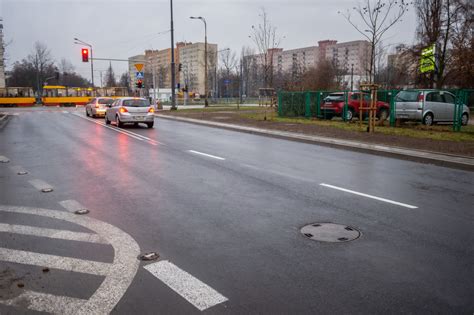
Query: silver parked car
131,110
428,106
97,106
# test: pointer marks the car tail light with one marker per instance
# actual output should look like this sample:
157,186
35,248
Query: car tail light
151,110
123,110
96,105
421,98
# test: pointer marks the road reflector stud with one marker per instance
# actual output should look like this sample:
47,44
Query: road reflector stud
82,211
149,256
22,173
4,160
47,190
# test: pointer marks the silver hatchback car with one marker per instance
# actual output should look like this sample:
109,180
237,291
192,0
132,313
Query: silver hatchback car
97,106
130,110
428,106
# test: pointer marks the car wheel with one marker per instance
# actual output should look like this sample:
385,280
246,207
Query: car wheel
383,115
150,124
464,119
349,114
107,121
87,112
118,122
93,115
428,120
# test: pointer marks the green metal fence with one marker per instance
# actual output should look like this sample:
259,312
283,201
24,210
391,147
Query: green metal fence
309,104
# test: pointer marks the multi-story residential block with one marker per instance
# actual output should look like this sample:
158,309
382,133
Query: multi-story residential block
192,59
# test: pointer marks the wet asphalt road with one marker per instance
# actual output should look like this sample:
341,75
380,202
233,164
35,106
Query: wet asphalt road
230,219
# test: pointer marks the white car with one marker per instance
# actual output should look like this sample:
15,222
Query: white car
97,106
130,110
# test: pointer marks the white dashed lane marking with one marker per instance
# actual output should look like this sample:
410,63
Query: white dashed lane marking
40,184
193,290
118,275
71,205
370,196
17,169
207,155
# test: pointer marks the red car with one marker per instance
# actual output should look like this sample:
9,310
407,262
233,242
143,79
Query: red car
333,105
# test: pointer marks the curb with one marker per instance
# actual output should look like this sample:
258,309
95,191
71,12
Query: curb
449,160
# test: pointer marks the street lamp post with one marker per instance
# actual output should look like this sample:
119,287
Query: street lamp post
80,42
173,74
206,103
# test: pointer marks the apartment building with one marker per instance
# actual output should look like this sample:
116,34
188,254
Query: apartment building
192,59
158,64
344,56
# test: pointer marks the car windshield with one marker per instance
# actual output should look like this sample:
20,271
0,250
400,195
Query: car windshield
407,96
136,103
106,101
334,97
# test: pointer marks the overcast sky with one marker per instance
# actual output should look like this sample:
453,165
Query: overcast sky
120,29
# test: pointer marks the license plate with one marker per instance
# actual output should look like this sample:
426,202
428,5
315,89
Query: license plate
139,117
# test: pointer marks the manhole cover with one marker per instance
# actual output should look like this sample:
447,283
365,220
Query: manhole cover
330,232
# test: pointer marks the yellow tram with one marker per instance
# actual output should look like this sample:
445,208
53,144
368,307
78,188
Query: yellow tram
56,95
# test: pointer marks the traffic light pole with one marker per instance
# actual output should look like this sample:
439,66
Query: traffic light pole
92,67
173,73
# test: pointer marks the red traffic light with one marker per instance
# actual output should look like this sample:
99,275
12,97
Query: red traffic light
85,55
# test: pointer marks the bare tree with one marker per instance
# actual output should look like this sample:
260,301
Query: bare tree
65,66
42,63
266,39
377,16
110,77
448,24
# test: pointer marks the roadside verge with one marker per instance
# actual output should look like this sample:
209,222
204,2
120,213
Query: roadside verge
455,161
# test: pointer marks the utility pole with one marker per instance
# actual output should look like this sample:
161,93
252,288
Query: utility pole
352,77
173,74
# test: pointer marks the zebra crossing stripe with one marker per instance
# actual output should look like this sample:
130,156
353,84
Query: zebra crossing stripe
118,275
52,233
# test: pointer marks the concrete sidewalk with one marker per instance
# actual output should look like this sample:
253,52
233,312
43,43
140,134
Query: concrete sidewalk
462,162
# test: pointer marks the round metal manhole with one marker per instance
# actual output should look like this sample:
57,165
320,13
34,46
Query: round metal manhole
330,232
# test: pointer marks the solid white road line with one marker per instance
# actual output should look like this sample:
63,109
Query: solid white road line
55,262
193,290
42,302
370,196
71,205
127,132
39,184
52,233
208,155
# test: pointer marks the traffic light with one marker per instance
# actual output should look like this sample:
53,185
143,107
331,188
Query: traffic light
180,67
139,84
85,55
